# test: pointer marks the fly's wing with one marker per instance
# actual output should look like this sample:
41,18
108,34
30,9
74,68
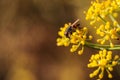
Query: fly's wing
76,26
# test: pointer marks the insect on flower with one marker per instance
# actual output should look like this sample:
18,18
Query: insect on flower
71,28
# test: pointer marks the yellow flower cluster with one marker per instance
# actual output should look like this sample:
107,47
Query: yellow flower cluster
101,9
77,38
105,10
104,61
108,33
63,40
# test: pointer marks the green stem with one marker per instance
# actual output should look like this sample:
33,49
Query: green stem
102,19
99,46
113,19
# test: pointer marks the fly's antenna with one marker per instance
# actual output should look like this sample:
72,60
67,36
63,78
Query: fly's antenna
74,22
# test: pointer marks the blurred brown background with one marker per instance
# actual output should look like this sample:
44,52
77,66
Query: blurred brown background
28,32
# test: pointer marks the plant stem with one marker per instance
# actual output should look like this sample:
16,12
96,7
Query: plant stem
113,19
99,46
102,19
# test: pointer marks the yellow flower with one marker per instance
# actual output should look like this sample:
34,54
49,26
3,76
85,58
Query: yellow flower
63,40
76,38
104,61
107,33
105,10
100,9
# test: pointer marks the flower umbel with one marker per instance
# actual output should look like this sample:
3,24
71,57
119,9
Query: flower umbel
107,33
100,9
105,11
104,61
77,38
63,40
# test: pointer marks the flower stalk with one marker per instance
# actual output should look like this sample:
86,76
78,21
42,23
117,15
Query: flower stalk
101,47
114,20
